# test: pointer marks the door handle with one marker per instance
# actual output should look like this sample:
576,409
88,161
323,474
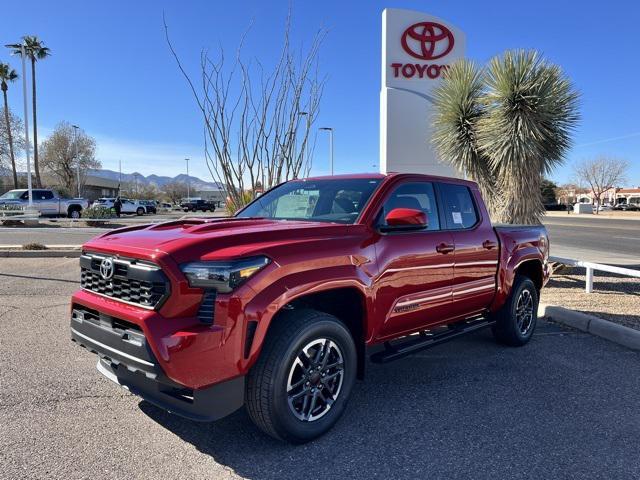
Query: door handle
488,244
445,248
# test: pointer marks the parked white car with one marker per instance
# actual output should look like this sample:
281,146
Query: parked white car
128,205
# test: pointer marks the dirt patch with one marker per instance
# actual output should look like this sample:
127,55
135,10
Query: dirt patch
615,298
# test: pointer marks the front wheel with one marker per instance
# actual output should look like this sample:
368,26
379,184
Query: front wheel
140,211
516,319
299,387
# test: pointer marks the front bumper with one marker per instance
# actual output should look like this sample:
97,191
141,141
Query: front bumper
126,358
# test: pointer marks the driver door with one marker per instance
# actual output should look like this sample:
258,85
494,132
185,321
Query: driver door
414,286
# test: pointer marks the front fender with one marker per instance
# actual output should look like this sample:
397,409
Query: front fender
266,304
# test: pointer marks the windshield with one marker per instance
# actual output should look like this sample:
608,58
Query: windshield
13,195
334,200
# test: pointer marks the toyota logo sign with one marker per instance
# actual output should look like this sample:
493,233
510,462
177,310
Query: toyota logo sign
427,40
107,268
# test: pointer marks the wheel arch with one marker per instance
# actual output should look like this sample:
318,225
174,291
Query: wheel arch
347,303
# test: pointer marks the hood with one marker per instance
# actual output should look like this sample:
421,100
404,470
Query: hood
194,239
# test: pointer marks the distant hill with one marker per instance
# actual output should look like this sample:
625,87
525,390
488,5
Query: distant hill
157,180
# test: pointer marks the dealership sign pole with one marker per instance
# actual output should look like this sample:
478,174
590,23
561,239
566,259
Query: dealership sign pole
417,48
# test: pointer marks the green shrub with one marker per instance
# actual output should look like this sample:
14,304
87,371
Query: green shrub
97,213
34,246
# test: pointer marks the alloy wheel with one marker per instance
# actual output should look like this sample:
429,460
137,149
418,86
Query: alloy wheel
315,379
524,312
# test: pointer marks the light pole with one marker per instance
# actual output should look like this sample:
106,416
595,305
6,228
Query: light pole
26,124
188,183
330,130
75,141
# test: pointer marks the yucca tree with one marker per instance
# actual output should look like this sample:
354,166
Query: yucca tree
8,75
459,107
34,50
527,112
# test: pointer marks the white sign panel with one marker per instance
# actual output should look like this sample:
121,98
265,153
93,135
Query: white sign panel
416,50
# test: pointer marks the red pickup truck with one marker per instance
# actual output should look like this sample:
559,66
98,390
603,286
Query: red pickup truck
278,307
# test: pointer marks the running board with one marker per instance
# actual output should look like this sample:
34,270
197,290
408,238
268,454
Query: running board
426,340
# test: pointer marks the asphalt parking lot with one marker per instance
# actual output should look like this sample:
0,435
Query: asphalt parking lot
565,406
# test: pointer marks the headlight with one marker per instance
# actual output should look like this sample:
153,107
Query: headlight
223,276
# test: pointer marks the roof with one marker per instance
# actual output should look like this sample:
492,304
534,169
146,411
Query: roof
377,176
629,190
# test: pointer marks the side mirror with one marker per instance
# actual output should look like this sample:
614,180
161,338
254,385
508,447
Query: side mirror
404,219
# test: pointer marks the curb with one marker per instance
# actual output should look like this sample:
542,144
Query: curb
40,253
613,332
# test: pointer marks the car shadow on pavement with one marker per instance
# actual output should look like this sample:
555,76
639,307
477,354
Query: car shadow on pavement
445,412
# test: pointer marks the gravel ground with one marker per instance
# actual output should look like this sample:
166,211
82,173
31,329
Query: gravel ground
614,298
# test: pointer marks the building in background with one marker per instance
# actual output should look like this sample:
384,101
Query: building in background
94,187
212,194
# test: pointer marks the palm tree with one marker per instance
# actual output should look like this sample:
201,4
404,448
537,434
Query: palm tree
514,119
35,50
7,74
458,108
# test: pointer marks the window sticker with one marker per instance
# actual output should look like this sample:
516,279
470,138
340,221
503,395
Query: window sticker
457,217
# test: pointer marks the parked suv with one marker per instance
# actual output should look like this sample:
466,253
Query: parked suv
278,307
150,206
128,205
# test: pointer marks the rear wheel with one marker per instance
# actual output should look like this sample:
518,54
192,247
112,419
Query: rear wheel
140,211
300,385
74,213
516,320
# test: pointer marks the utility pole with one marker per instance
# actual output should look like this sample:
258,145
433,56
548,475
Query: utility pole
330,130
26,124
75,129
119,176
188,182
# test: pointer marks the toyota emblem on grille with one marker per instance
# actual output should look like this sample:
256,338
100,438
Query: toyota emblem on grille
106,268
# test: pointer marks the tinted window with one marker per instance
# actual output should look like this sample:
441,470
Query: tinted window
46,194
459,209
418,196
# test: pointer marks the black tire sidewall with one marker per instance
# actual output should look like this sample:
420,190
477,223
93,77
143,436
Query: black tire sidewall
285,422
521,284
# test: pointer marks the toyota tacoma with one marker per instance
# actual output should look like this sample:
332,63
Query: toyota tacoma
278,307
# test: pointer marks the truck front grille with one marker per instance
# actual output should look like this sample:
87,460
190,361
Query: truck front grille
129,280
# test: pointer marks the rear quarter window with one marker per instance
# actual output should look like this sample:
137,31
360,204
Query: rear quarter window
459,207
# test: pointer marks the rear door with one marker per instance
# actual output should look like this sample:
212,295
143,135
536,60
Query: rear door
476,248
413,288
45,202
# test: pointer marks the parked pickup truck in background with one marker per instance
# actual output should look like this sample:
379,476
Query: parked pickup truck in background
277,307
46,201
195,204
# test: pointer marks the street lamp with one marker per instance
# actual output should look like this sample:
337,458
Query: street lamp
75,129
330,130
188,183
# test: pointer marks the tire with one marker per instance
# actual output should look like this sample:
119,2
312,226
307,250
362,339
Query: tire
516,320
140,211
74,213
270,406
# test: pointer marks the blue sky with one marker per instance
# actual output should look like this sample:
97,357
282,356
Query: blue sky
112,74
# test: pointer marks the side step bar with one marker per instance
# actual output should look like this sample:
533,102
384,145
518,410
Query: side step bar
424,340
